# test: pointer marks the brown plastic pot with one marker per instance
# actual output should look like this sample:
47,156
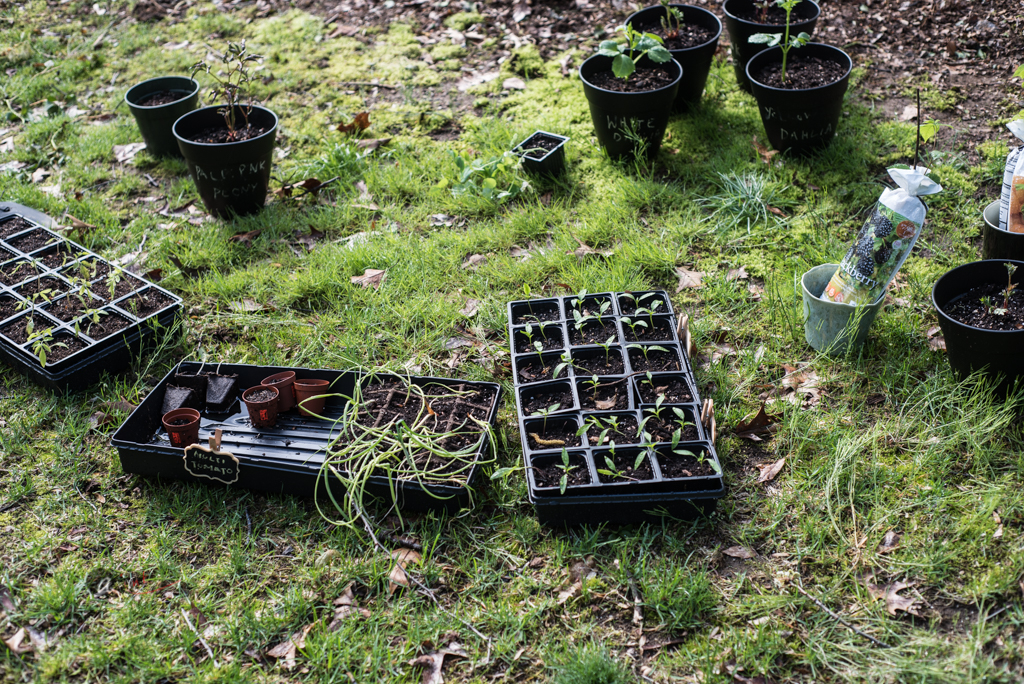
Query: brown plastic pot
262,413
186,433
283,382
309,394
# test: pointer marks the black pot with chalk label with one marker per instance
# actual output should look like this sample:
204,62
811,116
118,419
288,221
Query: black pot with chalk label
627,121
800,120
231,177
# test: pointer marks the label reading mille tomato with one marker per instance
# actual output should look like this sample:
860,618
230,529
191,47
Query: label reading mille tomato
880,249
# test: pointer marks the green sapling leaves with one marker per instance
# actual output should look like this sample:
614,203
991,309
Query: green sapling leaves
626,54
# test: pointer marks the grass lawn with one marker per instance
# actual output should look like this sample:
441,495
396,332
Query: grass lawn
114,578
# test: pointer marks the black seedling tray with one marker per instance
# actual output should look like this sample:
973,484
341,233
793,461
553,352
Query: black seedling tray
609,342
288,458
34,258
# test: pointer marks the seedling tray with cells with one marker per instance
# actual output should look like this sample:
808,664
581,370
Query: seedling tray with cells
412,441
61,305
610,419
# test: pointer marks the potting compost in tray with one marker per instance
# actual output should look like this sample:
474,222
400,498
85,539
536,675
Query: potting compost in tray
66,315
446,423
609,413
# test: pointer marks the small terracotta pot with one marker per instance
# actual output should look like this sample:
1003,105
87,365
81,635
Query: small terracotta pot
283,382
262,413
185,434
305,390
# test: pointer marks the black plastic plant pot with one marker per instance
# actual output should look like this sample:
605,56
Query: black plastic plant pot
544,474
996,243
529,368
535,311
543,153
695,61
805,17
995,352
590,361
231,177
696,471
650,328
526,337
551,397
644,301
78,349
289,457
605,427
800,121
156,121
628,123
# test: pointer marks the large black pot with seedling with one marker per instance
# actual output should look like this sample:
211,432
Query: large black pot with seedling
229,148
745,18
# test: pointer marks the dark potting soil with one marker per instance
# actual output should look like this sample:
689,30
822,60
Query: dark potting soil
687,36
680,465
124,285
611,394
162,97
551,475
801,73
662,430
640,81
644,330
90,269
624,466
654,361
67,309
538,146
63,347
775,16
533,370
555,435
30,242
177,422
550,339
546,399
592,332
12,226
146,303
16,331
969,309
220,135
599,364
625,434
59,257
8,307
260,396
538,317
15,272
278,381
675,390
107,326
55,287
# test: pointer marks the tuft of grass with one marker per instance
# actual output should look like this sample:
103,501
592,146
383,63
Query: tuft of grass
591,664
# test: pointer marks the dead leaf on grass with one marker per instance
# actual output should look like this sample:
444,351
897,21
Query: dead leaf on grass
514,83
286,651
187,271
246,305
309,239
740,552
688,278
762,151
125,153
18,643
398,577
936,342
737,273
565,64
584,250
475,79
80,226
370,144
770,470
471,308
346,607
761,425
474,262
520,10
371,277
433,663
998,534
6,602
360,122
890,542
890,593
245,238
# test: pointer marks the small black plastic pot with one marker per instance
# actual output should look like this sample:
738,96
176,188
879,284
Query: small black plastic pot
551,162
233,177
800,121
695,61
805,16
155,123
971,349
615,113
997,243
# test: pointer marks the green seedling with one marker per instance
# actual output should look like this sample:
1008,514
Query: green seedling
787,43
633,324
41,342
635,46
564,466
1010,285
231,86
545,412
566,362
607,346
580,319
672,21
497,179
594,383
647,349
538,348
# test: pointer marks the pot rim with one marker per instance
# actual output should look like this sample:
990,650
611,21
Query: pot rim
261,387
767,27
278,379
311,382
718,34
147,108
196,112
181,413
765,54
676,80
995,226
943,316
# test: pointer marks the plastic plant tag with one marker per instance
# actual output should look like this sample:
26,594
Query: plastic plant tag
884,241
212,463
1011,201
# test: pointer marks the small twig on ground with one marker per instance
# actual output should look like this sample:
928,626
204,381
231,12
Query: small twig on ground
402,541
366,84
209,651
876,642
638,602
248,527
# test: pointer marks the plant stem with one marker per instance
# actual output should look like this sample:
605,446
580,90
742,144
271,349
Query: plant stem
917,140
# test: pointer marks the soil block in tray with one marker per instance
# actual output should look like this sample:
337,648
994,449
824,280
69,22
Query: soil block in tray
585,416
288,457
48,273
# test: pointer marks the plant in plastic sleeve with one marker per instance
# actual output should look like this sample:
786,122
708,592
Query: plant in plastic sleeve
884,241
1011,201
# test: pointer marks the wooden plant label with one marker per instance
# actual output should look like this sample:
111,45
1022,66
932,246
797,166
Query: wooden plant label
212,463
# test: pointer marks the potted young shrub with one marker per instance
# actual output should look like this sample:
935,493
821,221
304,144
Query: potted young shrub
799,95
156,104
981,313
690,34
744,18
630,87
229,147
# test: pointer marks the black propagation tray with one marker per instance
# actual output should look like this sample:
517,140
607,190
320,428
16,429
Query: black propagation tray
287,458
606,502
50,258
